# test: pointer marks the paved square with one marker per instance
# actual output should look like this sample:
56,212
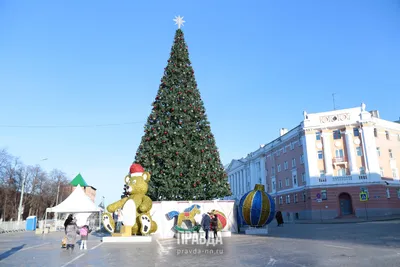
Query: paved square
319,245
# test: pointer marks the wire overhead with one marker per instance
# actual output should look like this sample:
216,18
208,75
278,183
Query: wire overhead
71,126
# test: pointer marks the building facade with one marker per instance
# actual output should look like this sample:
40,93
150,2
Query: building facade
318,169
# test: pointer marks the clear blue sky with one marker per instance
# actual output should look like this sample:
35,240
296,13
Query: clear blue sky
258,65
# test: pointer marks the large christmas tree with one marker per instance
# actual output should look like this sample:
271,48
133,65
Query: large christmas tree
178,148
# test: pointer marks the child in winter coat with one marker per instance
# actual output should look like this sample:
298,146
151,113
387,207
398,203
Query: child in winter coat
84,232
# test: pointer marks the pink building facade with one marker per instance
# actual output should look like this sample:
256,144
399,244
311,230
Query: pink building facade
318,169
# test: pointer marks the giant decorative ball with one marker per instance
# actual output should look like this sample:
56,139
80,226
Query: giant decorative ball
257,208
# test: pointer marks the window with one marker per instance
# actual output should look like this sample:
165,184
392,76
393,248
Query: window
337,134
320,155
302,159
356,132
359,151
390,154
394,173
285,165
280,184
387,135
295,179
341,172
382,171
318,135
287,181
305,196
387,193
378,151
322,174
279,167
273,185
339,153
324,195
281,200
284,149
362,171
272,170
293,163
295,198
375,132
398,193
398,137
303,177
291,145
287,199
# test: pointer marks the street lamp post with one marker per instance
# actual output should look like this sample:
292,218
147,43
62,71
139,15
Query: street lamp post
22,196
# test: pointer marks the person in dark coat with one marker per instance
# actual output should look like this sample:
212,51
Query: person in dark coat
205,224
214,224
71,231
279,218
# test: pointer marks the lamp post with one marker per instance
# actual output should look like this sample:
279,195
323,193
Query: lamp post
22,196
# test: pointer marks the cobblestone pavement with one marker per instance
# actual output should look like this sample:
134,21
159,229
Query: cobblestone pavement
364,244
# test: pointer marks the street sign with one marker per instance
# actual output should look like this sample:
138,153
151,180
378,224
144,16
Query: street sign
363,196
319,200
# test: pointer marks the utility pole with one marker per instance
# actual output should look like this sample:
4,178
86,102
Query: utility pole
22,195
21,198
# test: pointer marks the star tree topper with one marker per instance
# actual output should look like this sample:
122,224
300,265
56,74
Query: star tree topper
179,20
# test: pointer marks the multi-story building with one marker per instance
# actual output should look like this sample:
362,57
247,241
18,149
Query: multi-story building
318,169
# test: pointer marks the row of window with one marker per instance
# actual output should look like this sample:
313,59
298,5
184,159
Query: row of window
288,199
286,165
324,196
339,153
387,134
378,151
356,132
287,181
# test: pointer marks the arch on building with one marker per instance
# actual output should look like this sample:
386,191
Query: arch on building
345,204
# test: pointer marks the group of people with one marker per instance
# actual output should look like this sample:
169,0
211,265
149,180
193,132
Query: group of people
210,222
72,230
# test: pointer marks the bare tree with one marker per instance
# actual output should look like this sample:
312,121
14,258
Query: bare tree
41,189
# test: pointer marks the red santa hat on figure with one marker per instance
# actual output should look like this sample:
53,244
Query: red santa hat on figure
136,170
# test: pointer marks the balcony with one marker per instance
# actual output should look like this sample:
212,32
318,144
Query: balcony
339,161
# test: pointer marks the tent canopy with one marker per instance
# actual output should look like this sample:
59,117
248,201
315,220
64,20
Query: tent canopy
77,201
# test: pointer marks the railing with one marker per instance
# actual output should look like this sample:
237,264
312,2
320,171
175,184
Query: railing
363,177
345,178
322,179
12,226
339,160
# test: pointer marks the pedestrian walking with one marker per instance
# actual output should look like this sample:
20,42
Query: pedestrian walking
84,232
205,224
214,225
71,230
279,218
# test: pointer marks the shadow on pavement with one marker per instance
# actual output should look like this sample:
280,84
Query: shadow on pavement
385,234
10,252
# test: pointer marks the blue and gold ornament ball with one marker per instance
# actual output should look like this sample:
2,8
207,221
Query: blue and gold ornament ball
257,208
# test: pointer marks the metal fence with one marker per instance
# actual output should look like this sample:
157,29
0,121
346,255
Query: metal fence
12,226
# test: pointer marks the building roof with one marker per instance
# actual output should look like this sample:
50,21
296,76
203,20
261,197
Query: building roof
78,180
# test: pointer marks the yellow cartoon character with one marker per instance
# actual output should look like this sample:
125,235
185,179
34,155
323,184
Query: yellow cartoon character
135,207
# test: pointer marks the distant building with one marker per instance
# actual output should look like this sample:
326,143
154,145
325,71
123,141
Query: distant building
318,169
89,190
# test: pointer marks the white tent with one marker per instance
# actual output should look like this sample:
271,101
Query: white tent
76,202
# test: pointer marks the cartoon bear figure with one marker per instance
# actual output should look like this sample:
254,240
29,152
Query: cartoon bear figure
136,183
